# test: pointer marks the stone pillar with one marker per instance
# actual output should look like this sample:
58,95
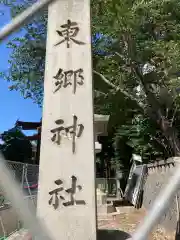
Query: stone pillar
66,200
102,207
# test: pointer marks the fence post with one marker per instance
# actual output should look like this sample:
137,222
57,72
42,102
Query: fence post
27,182
22,179
19,223
118,187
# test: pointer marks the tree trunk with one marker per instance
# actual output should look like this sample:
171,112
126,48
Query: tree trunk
169,132
171,135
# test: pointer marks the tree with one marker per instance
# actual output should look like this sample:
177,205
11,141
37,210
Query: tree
136,66
27,61
15,146
142,136
144,64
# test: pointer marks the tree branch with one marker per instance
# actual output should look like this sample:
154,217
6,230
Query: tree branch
106,80
174,114
120,55
118,89
98,93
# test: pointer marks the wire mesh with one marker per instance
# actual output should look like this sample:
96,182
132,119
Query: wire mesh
25,210
28,175
19,174
24,17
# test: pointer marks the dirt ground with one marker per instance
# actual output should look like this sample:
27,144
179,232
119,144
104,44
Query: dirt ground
125,222
128,221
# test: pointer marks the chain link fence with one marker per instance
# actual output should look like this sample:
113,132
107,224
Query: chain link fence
25,173
27,177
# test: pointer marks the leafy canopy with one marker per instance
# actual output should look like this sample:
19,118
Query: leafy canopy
15,146
136,62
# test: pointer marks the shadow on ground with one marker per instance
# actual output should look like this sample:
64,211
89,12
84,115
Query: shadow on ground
177,236
112,235
119,203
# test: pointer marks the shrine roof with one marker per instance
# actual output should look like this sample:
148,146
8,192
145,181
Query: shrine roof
34,137
28,125
36,125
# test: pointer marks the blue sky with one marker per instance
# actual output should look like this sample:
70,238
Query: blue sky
12,105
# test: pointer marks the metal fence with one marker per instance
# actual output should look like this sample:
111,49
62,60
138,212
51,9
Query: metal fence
108,186
165,196
27,177
27,174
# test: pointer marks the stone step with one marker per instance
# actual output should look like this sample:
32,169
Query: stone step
105,210
125,209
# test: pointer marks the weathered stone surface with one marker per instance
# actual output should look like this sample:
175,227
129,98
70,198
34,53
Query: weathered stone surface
67,158
158,177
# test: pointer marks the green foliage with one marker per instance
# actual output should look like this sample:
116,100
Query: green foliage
144,32
142,136
15,146
144,64
136,67
27,61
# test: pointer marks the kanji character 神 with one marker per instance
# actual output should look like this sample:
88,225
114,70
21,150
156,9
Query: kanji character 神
72,132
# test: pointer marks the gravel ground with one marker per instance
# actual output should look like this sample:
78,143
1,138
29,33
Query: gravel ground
128,221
